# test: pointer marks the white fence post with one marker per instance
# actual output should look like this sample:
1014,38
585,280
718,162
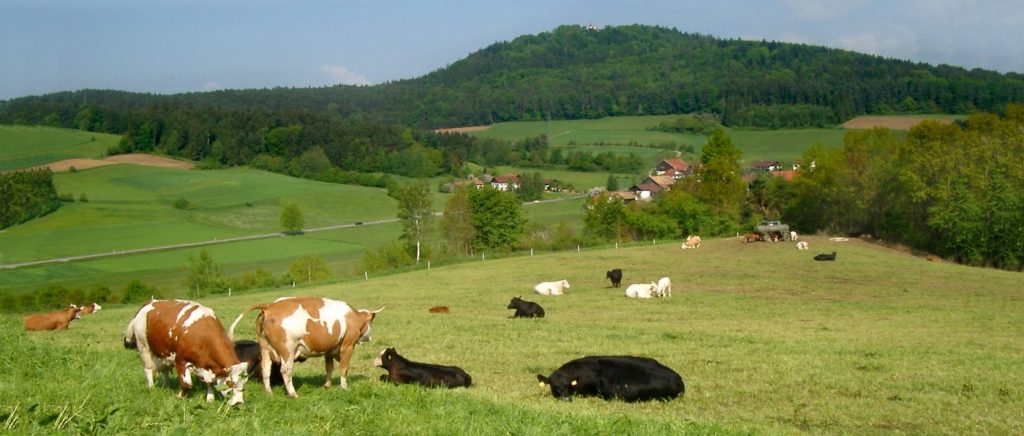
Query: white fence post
366,275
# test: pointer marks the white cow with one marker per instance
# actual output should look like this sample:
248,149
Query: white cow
664,287
551,288
802,245
792,235
692,241
642,290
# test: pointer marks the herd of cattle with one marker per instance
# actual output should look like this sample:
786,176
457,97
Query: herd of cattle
188,336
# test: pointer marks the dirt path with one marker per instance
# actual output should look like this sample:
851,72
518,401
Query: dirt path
134,158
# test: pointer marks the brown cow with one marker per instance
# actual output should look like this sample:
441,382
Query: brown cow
58,320
188,335
439,309
309,327
91,308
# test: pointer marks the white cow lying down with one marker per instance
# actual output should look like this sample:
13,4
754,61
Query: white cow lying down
551,288
642,290
802,245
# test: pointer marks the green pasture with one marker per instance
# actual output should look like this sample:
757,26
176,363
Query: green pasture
26,146
767,340
612,134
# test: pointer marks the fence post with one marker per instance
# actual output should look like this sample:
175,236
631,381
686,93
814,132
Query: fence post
366,275
428,265
531,251
577,248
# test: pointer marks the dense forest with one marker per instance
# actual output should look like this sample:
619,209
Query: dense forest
25,195
575,73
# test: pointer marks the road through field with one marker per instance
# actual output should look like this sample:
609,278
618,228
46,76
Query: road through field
218,241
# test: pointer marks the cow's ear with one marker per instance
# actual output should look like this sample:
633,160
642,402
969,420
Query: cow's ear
543,380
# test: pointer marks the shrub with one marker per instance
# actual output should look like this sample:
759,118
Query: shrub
182,204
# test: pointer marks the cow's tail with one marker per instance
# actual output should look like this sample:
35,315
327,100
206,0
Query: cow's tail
129,336
231,330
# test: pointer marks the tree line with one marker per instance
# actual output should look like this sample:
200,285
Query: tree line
956,190
575,73
25,195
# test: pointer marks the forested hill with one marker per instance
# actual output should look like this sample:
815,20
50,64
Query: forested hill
573,72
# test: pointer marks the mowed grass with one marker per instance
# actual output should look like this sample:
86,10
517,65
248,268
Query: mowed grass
614,132
767,340
26,146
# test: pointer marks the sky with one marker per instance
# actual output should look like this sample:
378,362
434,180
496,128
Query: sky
175,46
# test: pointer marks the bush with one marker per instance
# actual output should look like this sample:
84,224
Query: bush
83,198
182,204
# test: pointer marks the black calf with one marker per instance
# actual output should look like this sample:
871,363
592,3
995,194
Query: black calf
626,377
404,371
826,257
525,309
249,351
615,276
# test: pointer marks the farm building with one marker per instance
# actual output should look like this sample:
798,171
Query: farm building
676,168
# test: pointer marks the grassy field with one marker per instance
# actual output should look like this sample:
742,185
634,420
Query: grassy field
767,340
616,132
25,146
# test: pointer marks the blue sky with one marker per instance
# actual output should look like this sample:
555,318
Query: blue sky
188,45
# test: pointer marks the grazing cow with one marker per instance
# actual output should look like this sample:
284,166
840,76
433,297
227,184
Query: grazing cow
692,241
308,326
249,352
626,377
792,235
826,257
90,308
802,245
615,276
525,309
439,309
751,237
58,320
664,287
642,290
189,336
404,371
551,288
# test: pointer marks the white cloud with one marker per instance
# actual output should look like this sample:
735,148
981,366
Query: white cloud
816,10
894,41
343,76
211,86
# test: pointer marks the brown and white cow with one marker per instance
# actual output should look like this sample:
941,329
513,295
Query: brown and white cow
90,308
189,336
58,320
308,327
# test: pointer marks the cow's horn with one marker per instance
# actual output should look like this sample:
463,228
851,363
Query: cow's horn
379,310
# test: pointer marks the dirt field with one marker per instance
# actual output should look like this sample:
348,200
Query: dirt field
136,159
894,123
466,129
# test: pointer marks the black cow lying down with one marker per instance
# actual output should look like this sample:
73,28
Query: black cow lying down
404,371
525,309
249,351
826,257
626,377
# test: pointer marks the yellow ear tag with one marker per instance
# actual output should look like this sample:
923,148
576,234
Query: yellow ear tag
573,383
541,384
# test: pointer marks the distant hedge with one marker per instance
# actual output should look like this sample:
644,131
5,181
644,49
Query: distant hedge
25,195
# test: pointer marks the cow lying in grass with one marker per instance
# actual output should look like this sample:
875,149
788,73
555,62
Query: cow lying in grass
525,309
404,371
249,353
59,320
642,290
625,377
551,288
826,257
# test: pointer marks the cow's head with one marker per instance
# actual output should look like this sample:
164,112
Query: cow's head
367,321
514,303
562,386
565,284
385,358
229,381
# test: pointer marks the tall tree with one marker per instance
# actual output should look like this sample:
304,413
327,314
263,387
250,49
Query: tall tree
457,222
291,218
310,268
203,273
415,210
497,218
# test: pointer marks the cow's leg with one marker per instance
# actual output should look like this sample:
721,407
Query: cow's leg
184,377
286,373
265,365
345,357
148,365
209,392
329,364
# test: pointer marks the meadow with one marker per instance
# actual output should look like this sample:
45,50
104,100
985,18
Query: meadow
784,145
767,341
25,146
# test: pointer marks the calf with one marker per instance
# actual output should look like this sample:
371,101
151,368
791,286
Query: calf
308,326
90,308
525,309
802,245
626,377
826,257
643,290
615,276
551,288
664,287
439,309
249,352
59,320
404,371
189,336
692,241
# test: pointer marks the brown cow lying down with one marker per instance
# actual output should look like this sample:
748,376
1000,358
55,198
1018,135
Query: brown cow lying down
308,326
189,336
58,320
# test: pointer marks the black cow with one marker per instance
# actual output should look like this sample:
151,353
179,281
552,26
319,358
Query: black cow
616,277
525,309
249,351
626,377
404,371
827,257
